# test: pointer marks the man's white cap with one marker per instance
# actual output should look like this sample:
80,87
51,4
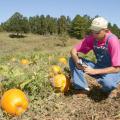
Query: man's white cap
98,24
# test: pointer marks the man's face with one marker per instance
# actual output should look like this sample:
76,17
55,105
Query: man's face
99,35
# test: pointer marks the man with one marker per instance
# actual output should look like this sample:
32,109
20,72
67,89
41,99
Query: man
106,48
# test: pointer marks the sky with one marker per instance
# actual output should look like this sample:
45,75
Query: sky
55,8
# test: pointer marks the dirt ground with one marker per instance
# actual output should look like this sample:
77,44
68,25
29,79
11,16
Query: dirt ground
75,106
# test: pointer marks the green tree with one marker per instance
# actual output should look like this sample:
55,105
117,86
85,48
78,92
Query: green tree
38,25
43,30
1,28
116,30
88,20
79,26
34,23
109,26
25,25
62,25
51,25
17,23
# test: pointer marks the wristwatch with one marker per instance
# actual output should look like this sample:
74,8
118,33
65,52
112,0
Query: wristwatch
80,62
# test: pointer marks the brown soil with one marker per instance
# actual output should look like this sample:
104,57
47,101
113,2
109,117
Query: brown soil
73,106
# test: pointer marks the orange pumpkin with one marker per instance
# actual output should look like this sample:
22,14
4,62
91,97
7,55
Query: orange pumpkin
61,82
24,61
62,60
14,102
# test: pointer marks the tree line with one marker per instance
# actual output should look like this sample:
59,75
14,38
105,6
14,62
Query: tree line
47,25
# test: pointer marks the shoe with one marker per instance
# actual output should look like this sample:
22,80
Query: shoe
87,89
82,93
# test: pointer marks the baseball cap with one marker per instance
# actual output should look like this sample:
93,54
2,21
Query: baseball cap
98,24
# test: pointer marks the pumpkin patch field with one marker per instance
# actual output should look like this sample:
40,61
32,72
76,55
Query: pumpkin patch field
35,83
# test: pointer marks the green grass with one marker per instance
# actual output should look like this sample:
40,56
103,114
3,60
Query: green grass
37,50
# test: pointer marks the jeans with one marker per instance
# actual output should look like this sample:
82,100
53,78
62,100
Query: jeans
108,81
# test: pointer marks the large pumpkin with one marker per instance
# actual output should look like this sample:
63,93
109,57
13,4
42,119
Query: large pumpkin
61,82
14,102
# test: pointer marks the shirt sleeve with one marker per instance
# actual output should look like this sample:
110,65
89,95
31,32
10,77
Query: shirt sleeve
85,45
114,47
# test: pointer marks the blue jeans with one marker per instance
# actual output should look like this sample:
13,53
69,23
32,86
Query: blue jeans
108,81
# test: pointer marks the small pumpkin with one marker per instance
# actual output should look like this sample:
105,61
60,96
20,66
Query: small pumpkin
61,82
62,60
55,69
14,101
24,61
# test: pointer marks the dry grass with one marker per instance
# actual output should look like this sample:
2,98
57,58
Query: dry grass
31,42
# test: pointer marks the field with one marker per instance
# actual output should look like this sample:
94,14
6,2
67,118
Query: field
44,102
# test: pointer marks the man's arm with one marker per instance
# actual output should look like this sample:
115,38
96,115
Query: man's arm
107,70
76,59
74,55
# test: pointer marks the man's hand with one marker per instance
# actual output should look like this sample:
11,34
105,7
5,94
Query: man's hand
79,66
90,71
